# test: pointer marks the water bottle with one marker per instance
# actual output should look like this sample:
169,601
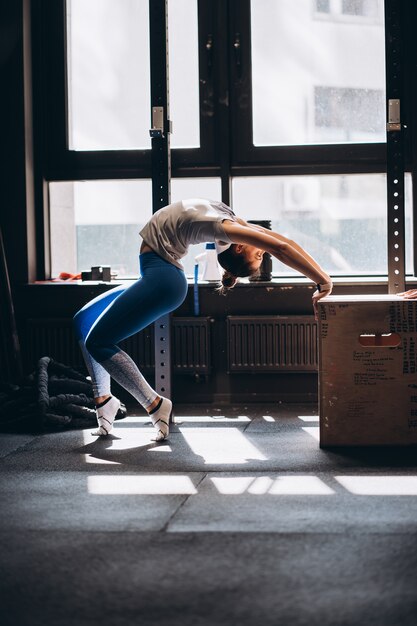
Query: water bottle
211,271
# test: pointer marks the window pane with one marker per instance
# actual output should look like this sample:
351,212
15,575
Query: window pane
108,74
323,6
364,8
353,7
183,73
340,220
317,81
98,222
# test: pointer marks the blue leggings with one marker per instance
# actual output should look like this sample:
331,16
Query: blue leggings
117,314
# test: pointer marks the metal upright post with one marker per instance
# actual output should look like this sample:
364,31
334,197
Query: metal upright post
395,149
161,167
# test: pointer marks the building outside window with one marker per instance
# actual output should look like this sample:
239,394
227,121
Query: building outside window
370,10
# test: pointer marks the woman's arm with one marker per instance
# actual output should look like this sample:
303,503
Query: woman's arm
280,237
280,247
283,249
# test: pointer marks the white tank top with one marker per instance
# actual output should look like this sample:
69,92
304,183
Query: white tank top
172,229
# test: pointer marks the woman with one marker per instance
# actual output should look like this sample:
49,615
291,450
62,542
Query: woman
162,287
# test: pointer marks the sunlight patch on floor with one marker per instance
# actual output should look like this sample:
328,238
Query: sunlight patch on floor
282,485
221,445
379,485
206,419
184,419
89,458
309,418
313,431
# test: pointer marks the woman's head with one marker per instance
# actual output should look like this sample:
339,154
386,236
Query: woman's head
238,260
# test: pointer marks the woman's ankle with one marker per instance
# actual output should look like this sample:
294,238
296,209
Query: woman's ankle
154,404
101,399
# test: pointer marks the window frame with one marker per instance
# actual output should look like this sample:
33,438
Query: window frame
226,148
341,158
61,163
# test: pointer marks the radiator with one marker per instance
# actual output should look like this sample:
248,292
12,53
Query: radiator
272,344
190,344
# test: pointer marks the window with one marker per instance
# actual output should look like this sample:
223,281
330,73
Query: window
97,222
293,56
107,47
340,220
96,87
108,74
285,99
366,10
323,6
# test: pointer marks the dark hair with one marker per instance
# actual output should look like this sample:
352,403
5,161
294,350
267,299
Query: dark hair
235,265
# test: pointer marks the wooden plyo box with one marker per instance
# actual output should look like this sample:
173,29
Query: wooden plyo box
367,370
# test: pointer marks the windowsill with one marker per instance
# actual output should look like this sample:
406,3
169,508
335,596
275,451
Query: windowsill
276,281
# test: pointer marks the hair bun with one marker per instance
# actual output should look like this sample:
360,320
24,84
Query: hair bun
228,282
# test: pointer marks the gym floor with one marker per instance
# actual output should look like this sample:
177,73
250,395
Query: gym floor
239,518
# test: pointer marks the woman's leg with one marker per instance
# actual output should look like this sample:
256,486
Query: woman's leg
161,289
83,322
107,406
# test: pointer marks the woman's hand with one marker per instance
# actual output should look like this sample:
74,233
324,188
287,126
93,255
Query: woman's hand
318,295
411,294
